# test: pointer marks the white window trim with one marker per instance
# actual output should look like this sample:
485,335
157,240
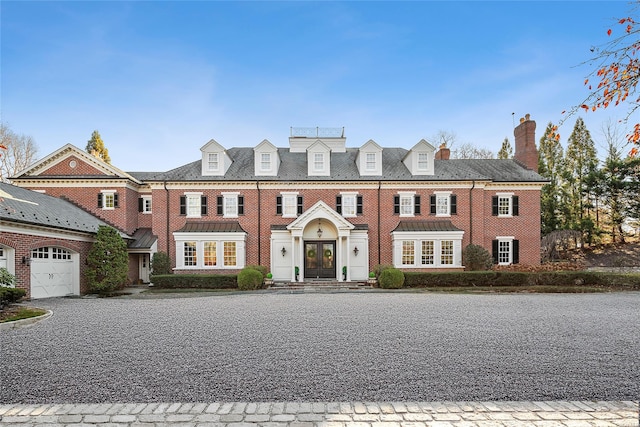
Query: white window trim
408,194
293,195
144,205
229,196
510,197
319,166
426,162
418,238
106,193
370,166
446,194
194,196
509,239
217,161
269,162
200,239
354,196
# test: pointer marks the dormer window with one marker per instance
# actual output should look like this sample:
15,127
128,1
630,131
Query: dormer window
213,162
423,161
265,162
318,162
371,162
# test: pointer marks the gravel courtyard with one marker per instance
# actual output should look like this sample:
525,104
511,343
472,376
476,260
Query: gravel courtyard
328,347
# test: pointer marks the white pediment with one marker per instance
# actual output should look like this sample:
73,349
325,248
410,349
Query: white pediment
420,159
215,160
320,211
266,159
369,159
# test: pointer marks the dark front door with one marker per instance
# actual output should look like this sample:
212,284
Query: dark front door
320,260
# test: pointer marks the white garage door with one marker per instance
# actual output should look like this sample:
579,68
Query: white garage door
52,272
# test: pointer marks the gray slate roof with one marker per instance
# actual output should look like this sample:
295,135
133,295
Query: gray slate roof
293,167
30,207
144,239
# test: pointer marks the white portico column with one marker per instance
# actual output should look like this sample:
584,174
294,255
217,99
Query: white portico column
348,256
301,258
339,260
293,258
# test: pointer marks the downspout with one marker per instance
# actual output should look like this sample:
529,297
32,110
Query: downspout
259,223
379,221
473,185
167,215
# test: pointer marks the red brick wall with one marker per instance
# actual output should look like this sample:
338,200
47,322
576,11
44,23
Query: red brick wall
64,168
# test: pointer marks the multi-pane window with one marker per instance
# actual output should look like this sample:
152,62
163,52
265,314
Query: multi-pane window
213,162
210,254
108,200
428,253
408,252
190,254
289,205
370,162
230,258
318,161
349,205
423,161
40,253
442,204
58,253
193,205
406,205
504,252
265,161
504,205
446,252
146,204
230,205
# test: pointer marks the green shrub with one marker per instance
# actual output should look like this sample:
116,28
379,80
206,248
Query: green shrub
391,278
161,263
6,278
476,258
378,269
249,279
261,268
195,281
108,261
10,296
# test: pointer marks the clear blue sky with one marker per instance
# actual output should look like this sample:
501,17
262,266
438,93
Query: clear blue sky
160,79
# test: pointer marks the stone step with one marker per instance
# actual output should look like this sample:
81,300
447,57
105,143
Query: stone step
320,286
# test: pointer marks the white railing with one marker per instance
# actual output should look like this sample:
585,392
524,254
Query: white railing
317,132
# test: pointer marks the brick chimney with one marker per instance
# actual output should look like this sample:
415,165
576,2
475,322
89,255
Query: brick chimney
443,153
526,151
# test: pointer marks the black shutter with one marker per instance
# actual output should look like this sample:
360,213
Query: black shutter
416,205
140,204
300,205
278,205
396,205
516,251
432,204
240,205
494,206
203,205
359,205
454,204
339,204
219,205
183,205
115,200
99,200
494,251
515,209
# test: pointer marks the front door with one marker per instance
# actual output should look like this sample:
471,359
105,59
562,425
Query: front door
319,260
143,259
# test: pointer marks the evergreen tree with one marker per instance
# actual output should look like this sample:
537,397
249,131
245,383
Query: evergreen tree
506,151
613,176
550,166
107,261
581,166
95,147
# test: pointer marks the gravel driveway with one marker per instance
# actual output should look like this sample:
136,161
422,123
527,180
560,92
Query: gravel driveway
329,347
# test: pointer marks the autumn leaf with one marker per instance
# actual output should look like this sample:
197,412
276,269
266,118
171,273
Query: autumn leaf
609,32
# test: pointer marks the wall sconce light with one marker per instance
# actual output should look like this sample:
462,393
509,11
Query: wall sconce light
355,251
283,251
319,229
26,260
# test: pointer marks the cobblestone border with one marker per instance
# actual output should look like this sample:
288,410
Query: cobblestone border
327,414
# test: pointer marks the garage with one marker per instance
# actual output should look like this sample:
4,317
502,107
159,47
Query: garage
54,273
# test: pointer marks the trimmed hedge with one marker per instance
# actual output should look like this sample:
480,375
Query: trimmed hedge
249,279
512,278
10,296
391,278
197,281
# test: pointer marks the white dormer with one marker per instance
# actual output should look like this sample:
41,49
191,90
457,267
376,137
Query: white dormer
318,159
215,160
420,159
369,159
266,159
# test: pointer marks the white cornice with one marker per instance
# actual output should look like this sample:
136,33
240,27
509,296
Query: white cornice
75,183
34,230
